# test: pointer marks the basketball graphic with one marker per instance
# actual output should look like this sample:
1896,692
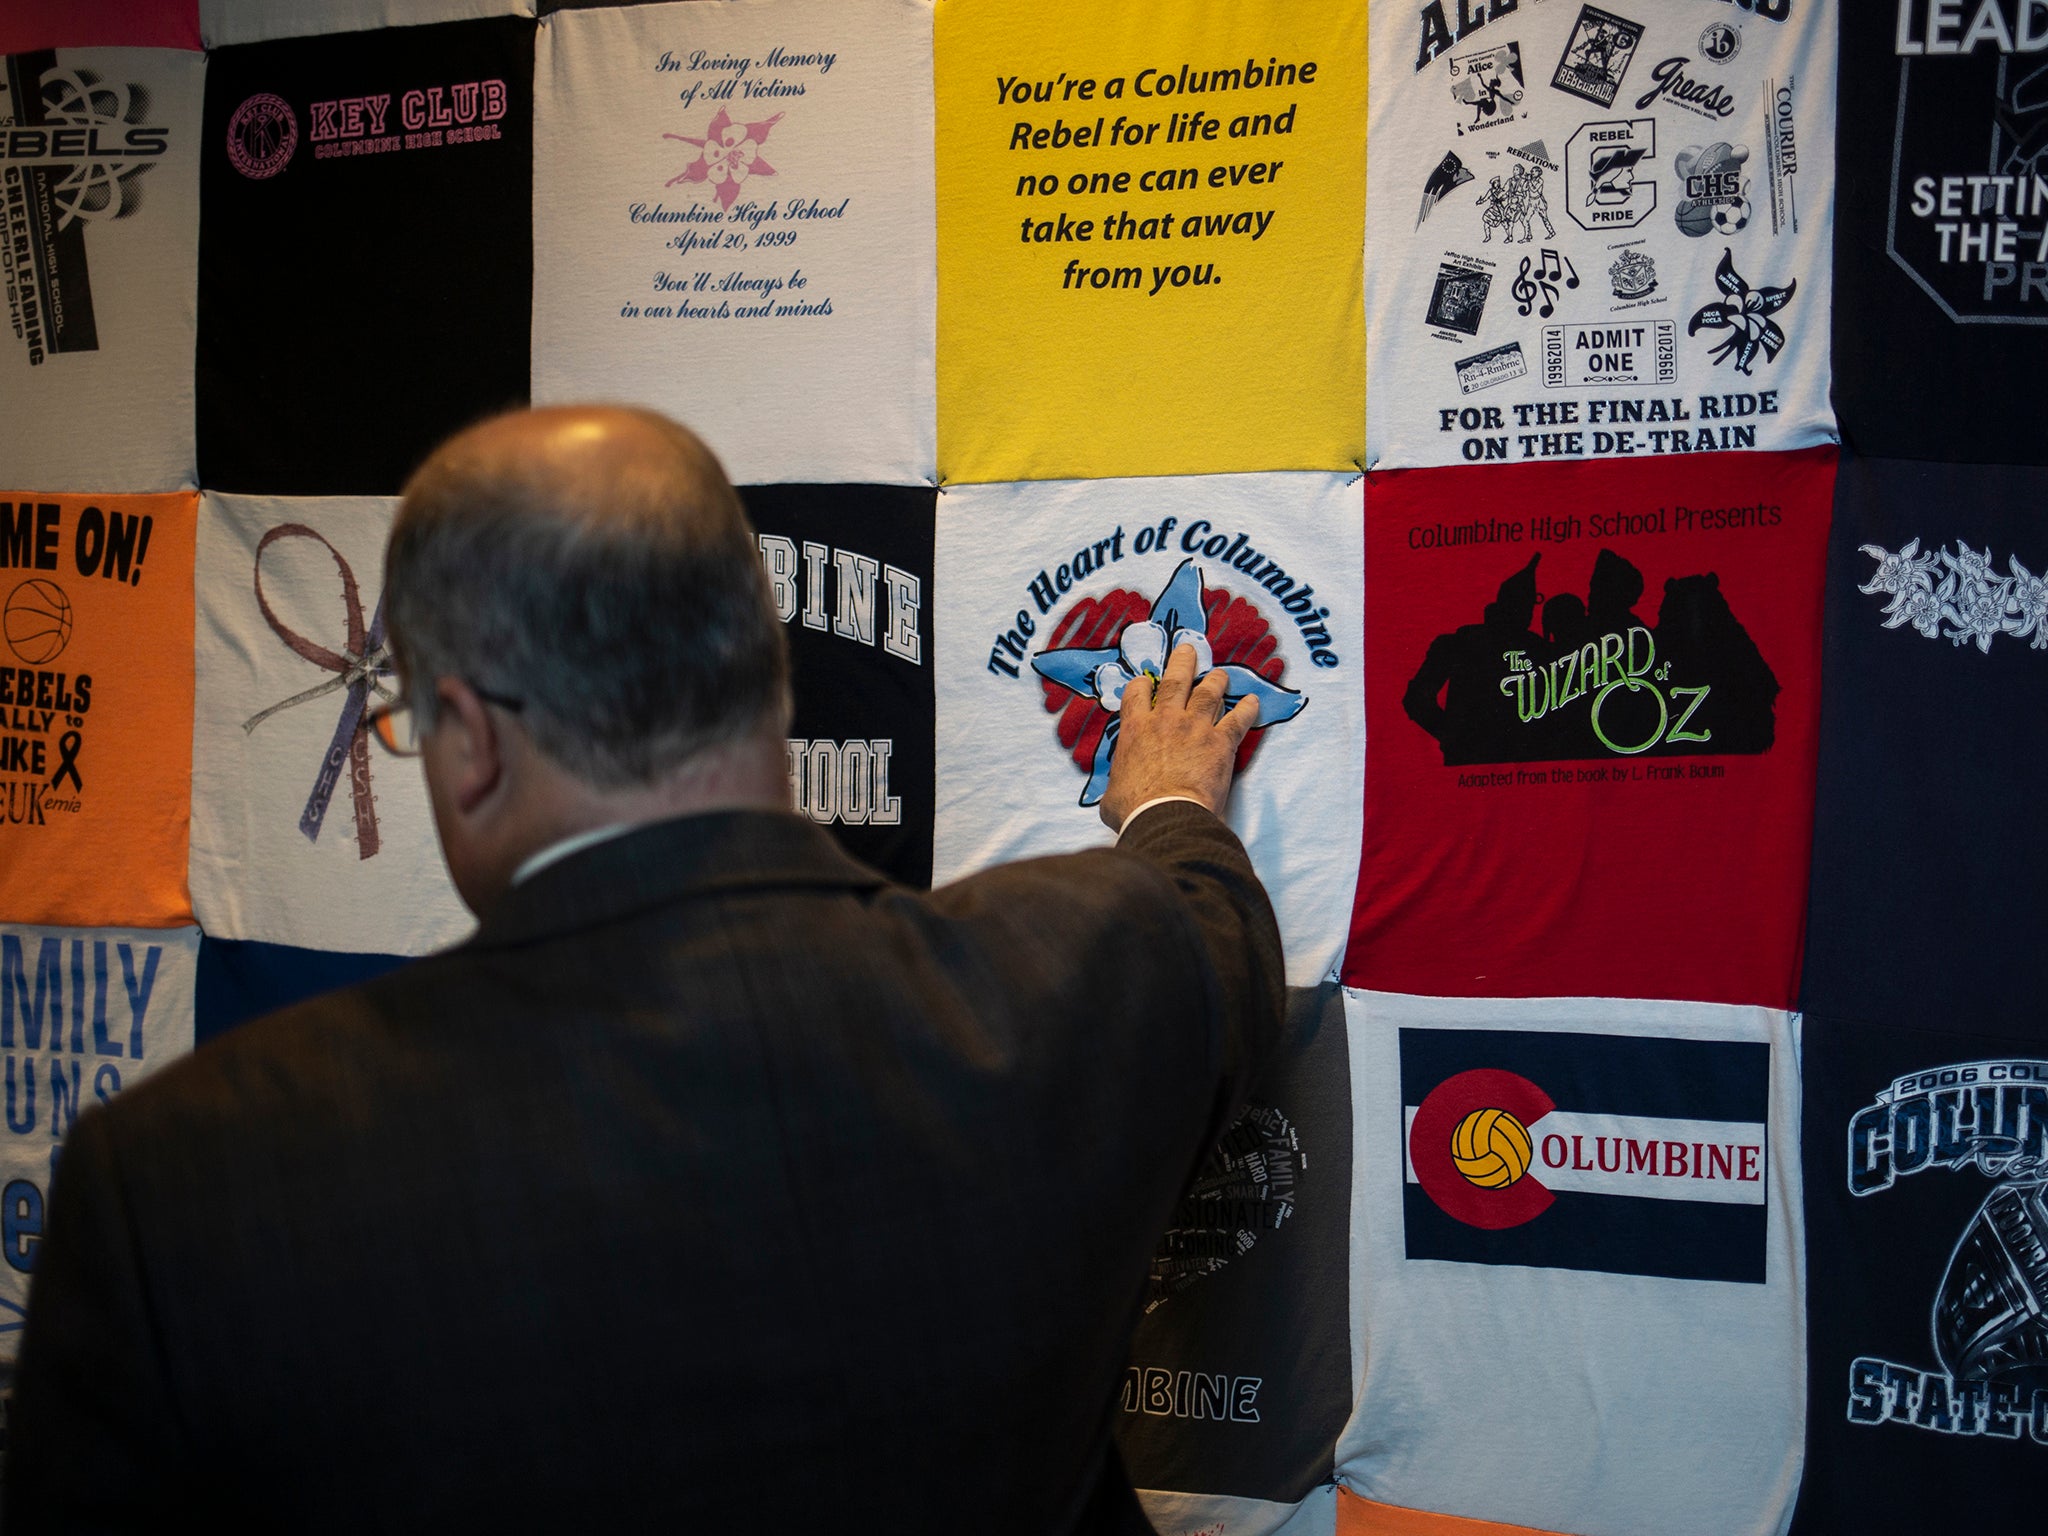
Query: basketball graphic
38,621
1491,1148
1695,216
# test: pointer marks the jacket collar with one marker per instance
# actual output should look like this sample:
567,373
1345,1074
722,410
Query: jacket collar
666,861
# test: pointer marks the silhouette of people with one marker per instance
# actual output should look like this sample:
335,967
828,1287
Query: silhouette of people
1699,639
1564,622
1612,594
1694,684
1554,732
1476,722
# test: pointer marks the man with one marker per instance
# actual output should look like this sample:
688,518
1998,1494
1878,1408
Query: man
715,1185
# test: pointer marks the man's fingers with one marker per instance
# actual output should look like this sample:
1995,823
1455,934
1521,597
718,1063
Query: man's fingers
1241,721
1137,697
1179,678
1206,702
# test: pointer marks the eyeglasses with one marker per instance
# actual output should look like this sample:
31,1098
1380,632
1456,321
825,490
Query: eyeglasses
396,727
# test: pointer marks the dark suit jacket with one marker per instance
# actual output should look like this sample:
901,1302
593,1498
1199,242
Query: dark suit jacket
715,1185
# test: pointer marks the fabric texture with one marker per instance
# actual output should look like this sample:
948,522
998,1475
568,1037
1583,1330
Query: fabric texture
1050,597
1151,224
96,699
254,21
306,830
1240,1371
732,222
1198,1514
330,366
84,1014
1927,1225
242,979
1941,264
1926,1088
101,224
1592,694
850,573
32,24
1936,658
1599,231
1363,1517
764,1174
1578,1285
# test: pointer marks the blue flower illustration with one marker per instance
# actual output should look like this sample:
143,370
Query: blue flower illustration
1178,618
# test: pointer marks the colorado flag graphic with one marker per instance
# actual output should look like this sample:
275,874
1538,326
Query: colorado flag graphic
1554,1194
1634,1155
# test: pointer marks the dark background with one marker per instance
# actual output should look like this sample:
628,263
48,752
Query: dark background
355,311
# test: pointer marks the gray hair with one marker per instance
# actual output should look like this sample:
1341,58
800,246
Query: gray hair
596,565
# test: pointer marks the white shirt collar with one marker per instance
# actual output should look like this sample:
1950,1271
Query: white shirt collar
554,853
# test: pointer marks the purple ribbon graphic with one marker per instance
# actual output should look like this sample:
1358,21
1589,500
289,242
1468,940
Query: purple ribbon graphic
360,668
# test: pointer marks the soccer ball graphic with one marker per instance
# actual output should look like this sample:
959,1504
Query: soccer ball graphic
1731,215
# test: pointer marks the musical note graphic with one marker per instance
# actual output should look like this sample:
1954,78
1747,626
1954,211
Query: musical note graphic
1524,290
1553,268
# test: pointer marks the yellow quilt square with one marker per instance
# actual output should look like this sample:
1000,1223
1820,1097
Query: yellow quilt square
1151,235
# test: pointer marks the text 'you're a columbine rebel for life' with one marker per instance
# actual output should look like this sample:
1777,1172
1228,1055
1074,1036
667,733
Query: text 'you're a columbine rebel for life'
1152,180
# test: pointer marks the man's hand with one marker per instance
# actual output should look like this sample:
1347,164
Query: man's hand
1173,743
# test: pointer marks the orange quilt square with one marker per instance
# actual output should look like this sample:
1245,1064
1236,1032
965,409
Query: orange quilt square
95,708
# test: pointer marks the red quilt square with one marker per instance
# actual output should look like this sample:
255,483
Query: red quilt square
1591,710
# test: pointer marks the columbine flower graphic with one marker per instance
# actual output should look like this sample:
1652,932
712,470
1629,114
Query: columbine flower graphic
1744,313
1907,578
1970,567
1961,588
2030,605
1177,618
1977,614
1974,597
730,153
1899,575
1920,609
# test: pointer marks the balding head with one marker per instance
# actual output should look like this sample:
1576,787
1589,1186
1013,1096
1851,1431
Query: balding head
593,563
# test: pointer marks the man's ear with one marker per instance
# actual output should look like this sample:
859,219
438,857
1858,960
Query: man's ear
472,752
